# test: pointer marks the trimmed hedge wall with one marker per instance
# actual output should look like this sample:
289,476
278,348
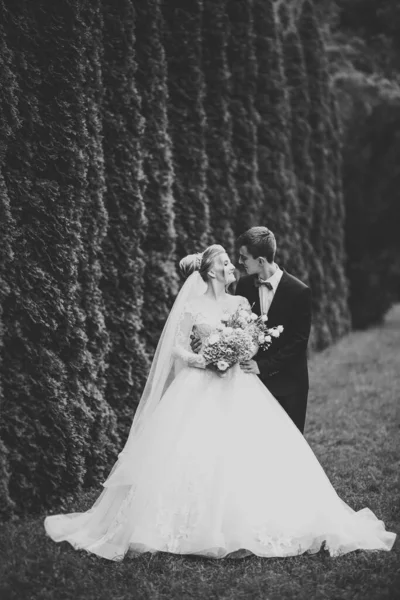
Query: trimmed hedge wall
133,133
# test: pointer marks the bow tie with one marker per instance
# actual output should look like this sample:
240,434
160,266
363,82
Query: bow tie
260,282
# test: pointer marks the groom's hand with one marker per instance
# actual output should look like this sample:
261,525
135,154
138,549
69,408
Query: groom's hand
195,343
250,366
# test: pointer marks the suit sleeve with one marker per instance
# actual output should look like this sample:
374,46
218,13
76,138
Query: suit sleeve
295,343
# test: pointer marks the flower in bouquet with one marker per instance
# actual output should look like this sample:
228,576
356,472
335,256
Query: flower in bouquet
227,348
222,365
241,318
266,334
237,338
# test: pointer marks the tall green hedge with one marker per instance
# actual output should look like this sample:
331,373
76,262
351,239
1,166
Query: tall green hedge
242,63
46,421
9,123
340,288
94,223
327,222
312,47
300,134
303,167
132,134
187,122
160,277
221,186
123,257
280,202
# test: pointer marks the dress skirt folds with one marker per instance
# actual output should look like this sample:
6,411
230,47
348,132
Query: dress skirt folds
219,469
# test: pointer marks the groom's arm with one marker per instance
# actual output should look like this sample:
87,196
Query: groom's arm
295,343
195,341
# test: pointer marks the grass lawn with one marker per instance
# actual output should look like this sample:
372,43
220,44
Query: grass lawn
354,429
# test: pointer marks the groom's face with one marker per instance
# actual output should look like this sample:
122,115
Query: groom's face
250,264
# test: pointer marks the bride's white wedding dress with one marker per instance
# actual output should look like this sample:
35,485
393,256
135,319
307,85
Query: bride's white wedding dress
218,468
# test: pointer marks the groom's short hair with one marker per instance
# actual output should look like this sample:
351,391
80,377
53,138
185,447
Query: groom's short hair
259,241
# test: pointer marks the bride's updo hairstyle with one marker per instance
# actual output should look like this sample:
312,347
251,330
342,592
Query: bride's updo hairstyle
201,262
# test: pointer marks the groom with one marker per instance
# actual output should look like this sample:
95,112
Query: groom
286,301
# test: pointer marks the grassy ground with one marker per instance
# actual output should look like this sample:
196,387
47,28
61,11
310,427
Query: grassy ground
354,429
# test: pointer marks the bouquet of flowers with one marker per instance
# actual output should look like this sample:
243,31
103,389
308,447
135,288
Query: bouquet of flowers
265,334
238,338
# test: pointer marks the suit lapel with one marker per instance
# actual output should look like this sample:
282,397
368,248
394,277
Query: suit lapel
277,300
253,296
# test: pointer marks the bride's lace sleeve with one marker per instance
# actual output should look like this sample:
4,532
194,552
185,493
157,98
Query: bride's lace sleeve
182,349
244,303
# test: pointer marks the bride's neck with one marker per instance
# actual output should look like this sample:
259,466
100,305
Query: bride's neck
215,290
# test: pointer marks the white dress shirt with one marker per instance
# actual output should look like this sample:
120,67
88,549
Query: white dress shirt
266,295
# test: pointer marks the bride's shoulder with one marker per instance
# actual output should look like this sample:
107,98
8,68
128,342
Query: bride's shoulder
241,301
194,304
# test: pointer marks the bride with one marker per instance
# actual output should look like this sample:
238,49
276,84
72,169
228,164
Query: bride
213,465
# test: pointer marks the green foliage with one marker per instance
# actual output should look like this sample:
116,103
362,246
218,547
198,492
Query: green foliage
221,187
300,136
243,67
318,90
94,223
280,209
46,421
303,166
134,133
371,183
123,258
371,31
187,122
9,123
160,277
339,290
364,55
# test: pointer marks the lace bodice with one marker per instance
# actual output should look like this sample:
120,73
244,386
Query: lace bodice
202,316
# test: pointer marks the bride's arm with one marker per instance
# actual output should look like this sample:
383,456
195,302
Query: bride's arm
243,303
181,349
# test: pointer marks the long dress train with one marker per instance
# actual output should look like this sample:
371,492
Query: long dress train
218,469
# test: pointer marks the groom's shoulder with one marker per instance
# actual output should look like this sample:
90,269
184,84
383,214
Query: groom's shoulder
246,279
245,282
295,282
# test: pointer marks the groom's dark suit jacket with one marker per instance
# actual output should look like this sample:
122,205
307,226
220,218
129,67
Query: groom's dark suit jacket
283,367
